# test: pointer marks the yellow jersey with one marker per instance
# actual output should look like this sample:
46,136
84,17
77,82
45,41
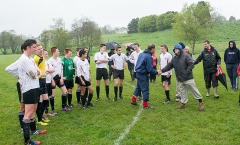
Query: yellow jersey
40,62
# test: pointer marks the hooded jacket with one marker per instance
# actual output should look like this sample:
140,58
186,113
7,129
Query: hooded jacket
145,63
232,55
210,60
183,65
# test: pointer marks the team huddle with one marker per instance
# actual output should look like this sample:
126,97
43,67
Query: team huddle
38,77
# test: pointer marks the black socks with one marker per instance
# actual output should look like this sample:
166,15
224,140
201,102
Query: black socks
115,91
52,102
107,90
69,99
167,94
64,100
39,111
120,91
98,91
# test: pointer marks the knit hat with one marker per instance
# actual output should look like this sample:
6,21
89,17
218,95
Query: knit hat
177,46
182,44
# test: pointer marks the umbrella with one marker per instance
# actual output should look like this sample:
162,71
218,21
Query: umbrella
111,45
129,45
221,76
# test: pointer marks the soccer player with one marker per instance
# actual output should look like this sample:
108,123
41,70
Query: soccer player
84,79
68,73
49,71
13,70
118,71
57,76
28,74
75,60
165,58
42,104
101,59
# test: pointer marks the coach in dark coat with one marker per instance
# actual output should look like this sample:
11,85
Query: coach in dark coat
211,59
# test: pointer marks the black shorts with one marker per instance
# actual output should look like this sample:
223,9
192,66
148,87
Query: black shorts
135,75
32,96
165,79
49,89
57,79
101,73
43,86
76,80
69,84
20,96
87,83
118,74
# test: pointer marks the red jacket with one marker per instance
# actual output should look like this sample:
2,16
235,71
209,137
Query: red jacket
154,60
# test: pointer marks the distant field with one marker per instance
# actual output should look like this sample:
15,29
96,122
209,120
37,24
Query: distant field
109,122
222,34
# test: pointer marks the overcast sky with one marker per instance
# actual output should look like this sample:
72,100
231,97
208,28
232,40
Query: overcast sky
30,17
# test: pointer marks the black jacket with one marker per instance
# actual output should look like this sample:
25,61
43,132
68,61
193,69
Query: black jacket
210,60
183,65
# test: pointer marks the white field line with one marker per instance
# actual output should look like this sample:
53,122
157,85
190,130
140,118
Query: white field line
127,129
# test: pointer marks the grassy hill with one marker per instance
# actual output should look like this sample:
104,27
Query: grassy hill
222,33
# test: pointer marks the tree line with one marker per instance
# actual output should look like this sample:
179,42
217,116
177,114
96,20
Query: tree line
193,23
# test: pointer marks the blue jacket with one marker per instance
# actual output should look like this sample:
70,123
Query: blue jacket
232,55
145,63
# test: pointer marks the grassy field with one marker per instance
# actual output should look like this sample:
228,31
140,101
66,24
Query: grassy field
219,38
104,123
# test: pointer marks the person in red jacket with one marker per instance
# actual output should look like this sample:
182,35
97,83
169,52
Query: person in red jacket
153,77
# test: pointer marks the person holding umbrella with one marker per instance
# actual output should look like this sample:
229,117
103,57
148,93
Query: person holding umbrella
232,59
130,65
110,63
211,61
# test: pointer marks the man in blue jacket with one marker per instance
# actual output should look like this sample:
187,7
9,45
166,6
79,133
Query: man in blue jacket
232,59
143,68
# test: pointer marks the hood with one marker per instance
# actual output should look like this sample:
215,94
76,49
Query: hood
234,44
147,51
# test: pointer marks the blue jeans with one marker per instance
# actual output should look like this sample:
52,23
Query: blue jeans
232,74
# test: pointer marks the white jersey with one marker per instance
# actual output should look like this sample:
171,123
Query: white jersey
25,66
134,57
83,69
13,69
48,75
164,60
118,60
75,60
57,65
100,56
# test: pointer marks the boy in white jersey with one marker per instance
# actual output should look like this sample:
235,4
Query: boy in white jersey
165,58
75,60
118,71
28,78
49,71
83,73
101,59
57,76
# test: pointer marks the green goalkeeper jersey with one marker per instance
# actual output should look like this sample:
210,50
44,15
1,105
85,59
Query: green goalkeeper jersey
68,68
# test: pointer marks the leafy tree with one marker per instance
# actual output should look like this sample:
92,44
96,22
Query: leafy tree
160,22
86,33
107,29
232,18
147,24
45,38
194,23
61,37
133,26
4,41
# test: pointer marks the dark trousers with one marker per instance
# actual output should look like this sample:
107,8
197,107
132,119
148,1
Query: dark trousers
232,74
110,73
210,78
142,86
131,74
153,77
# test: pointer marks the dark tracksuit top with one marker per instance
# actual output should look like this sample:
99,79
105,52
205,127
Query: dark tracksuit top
232,59
143,68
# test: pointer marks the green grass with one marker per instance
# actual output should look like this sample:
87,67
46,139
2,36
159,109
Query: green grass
104,123
219,38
